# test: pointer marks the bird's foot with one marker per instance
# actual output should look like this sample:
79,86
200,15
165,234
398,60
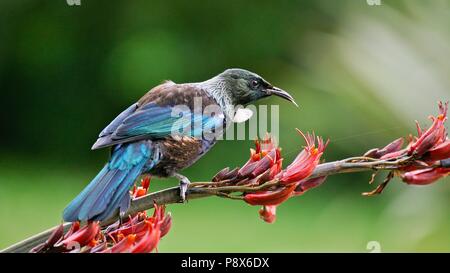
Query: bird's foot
184,182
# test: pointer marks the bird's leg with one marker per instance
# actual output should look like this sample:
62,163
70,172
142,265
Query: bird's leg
184,182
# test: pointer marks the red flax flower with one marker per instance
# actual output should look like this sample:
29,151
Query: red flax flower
427,150
300,169
305,163
435,135
81,237
141,190
139,234
265,165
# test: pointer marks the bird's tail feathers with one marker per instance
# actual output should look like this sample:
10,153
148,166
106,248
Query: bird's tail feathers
109,190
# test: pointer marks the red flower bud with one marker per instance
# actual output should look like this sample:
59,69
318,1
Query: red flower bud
262,165
308,184
394,154
439,152
247,169
73,228
276,169
425,176
123,246
226,174
127,229
270,198
145,183
268,213
166,224
56,235
261,160
140,192
392,147
83,236
149,240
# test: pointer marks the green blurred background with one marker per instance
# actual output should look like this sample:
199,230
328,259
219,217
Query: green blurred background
361,73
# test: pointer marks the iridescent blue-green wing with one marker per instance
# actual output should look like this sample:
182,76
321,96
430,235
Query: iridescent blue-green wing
164,111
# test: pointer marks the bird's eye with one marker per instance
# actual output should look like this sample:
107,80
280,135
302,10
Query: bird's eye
255,83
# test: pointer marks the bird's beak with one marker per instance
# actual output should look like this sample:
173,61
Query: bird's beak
281,93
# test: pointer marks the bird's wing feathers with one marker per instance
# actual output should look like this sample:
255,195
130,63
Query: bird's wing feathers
153,116
118,121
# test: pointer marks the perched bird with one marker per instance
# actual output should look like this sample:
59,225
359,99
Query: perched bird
154,136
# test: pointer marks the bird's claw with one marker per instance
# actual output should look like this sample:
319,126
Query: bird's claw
184,182
183,189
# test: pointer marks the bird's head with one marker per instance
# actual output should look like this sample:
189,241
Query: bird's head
246,87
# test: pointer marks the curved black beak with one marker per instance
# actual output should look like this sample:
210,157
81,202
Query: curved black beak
281,93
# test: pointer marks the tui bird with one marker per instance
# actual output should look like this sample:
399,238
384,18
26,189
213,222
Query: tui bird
143,140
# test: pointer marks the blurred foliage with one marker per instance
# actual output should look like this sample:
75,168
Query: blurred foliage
361,74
